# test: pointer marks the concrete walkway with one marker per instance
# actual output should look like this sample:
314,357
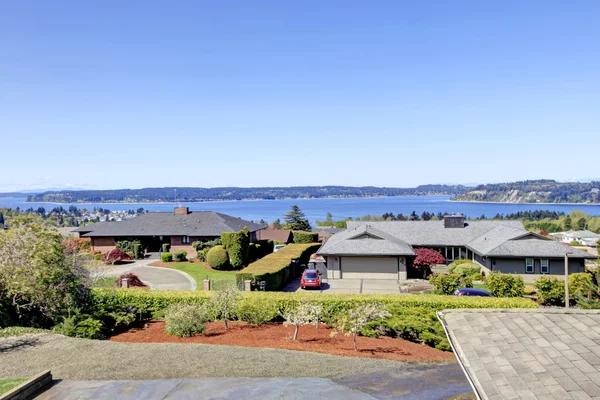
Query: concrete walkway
349,286
157,278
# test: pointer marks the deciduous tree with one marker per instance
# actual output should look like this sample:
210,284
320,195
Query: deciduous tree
302,314
351,321
425,258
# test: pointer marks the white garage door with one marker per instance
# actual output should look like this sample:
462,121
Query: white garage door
369,268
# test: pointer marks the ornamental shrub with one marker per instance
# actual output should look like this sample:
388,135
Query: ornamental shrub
581,285
448,283
115,256
98,256
456,263
134,281
257,311
127,245
550,291
470,269
203,244
217,258
236,245
166,247
137,251
305,237
185,320
166,257
202,254
505,285
180,256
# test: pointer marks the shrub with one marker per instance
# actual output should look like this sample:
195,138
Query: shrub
82,327
137,251
217,258
77,245
128,246
166,247
98,256
550,290
276,269
305,237
115,256
574,243
202,254
413,316
448,283
470,269
505,285
225,302
180,256
203,244
236,244
581,284
256,311
134,281
166,257
186,320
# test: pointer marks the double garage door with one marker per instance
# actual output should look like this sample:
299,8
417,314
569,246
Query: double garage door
369,268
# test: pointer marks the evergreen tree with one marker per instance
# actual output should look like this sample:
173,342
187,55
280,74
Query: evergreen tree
295,220
581,222
1,219
568,223
277,224
413,216
329,219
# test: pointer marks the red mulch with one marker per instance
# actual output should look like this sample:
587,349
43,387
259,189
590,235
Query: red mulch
277,336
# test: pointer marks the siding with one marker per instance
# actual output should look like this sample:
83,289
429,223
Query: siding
517,266
103,244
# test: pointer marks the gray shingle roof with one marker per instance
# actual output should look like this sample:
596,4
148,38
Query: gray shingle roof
433,233
495,237
527,354
196,223
365,240
536,248
582,234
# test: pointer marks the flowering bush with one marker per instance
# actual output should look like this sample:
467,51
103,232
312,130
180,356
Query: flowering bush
77,245
353,320
302,314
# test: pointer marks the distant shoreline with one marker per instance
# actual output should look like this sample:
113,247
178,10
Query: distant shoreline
506,202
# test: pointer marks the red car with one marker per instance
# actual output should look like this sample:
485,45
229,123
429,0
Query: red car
310,279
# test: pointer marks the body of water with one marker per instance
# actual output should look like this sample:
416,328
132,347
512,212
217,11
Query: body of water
316,209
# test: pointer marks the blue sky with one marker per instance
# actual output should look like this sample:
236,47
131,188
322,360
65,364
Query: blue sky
117,94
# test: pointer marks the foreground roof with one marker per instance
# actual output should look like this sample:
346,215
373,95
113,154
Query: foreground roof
196,223
537,248
366,240
433,233
527,353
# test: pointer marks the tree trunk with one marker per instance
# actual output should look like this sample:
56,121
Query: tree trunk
226,325
355,348
296,332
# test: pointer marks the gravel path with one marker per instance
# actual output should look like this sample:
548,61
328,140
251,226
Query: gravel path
81,359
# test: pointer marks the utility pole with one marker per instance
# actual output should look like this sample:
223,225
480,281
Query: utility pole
567,278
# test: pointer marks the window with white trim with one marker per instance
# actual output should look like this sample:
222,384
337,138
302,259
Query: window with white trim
544,266
529,268
185,240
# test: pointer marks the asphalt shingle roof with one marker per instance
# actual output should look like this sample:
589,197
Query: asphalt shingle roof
582,234
527,353
536,248
365,240
196,223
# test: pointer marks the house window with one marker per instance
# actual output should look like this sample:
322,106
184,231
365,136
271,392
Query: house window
185,240
544,266
529,266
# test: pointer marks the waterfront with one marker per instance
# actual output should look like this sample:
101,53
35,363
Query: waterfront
316,209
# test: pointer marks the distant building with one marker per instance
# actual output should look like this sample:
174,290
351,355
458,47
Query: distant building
585,237
180,229
281,235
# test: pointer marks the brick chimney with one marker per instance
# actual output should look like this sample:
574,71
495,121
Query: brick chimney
454,221
182,210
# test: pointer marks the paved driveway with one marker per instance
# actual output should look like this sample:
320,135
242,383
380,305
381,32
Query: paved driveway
156,278
373,286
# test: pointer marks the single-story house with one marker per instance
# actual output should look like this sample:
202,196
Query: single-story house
180,229
281,235
585,237
384,249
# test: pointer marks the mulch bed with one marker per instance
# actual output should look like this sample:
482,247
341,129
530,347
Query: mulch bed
278,336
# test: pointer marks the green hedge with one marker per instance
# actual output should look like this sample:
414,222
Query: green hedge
166,257
217,258
301,237
413,316
236,244
276,268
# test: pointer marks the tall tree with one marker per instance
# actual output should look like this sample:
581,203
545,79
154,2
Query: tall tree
568,223
1,219
296,220
277,224
581,223
329,219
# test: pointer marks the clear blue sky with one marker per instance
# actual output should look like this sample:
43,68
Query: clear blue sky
112,94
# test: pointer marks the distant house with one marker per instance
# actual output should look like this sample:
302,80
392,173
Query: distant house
385,249
585,237
281,235
180,229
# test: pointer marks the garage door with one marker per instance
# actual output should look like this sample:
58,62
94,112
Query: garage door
369,268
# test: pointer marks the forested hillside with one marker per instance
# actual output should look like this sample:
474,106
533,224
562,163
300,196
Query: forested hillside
537,191
188,194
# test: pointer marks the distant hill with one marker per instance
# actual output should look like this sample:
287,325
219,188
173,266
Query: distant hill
535,191
189,194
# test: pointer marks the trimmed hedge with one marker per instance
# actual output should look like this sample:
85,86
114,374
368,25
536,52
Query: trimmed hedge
505,285
276,268
413,316
166,257
301,237
217,258
236,244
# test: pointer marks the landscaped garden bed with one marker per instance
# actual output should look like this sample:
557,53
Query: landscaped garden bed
278,336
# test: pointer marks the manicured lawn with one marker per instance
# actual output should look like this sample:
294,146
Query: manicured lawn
7,384
105,282
19,330
199,272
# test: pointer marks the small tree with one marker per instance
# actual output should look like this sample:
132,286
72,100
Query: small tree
225,302
115,256
351,321
302,314
425,258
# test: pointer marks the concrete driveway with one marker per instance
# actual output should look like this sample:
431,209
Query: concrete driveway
366,286
157,278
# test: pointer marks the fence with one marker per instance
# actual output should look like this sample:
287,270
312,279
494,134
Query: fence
225,284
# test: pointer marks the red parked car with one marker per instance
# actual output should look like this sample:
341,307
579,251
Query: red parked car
310,279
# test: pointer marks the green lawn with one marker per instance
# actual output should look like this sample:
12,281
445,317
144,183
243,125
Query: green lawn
105,282
199,273
481,286
7,384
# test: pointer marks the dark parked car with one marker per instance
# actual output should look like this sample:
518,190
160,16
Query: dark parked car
471,292
310,279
